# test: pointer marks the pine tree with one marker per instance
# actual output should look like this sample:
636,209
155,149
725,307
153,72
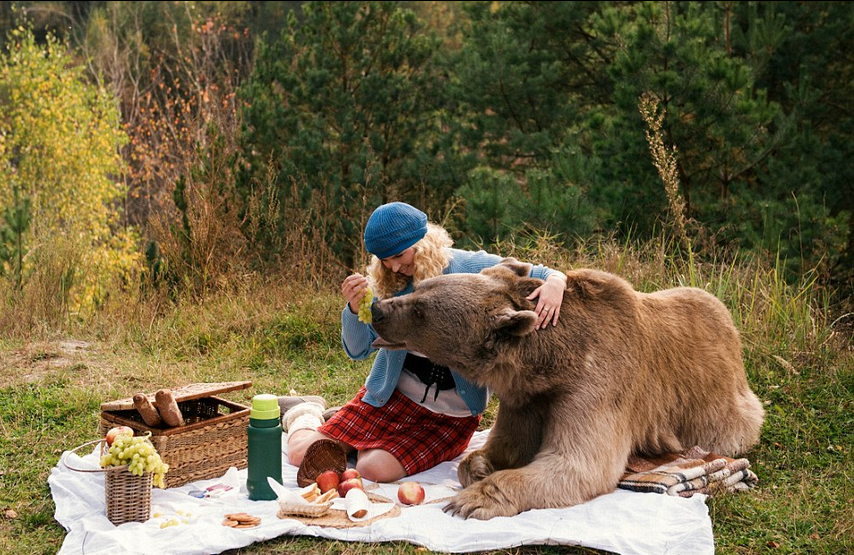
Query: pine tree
342,102
523,77
13,228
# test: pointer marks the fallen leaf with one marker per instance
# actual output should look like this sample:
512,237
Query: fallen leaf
773,544
815,536
10,514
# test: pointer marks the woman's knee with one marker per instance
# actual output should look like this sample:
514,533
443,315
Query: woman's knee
377,465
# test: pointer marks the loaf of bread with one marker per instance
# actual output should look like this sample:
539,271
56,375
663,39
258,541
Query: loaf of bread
168,407
147,411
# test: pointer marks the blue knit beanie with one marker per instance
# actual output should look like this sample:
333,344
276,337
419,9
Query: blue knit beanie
393,228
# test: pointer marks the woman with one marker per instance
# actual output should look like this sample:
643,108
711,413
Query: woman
411,414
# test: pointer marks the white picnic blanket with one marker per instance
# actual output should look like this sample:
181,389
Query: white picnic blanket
622,522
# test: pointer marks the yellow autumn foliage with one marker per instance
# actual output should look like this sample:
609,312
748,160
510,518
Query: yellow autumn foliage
60,141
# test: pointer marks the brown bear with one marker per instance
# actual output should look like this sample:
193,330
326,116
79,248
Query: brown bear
623,372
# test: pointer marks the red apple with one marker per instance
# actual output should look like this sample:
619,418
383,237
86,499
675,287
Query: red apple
410,493
113,433
327,480
347,485
350,473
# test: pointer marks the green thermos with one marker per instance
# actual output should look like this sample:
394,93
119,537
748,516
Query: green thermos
265,447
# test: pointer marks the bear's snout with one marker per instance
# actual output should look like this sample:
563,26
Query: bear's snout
376,312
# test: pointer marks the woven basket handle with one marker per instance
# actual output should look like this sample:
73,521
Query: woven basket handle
69,467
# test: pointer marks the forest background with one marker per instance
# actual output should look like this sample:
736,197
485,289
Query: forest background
183,143
183,186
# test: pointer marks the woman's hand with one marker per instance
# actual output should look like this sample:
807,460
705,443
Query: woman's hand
354,288
549,297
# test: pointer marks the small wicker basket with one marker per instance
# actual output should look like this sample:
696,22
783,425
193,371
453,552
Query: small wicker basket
128,496
322,455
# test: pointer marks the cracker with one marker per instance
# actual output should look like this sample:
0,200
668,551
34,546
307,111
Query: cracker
241,517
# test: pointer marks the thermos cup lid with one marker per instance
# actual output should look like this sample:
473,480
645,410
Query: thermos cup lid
265,407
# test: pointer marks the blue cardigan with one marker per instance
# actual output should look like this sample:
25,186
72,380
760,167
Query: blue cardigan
356,337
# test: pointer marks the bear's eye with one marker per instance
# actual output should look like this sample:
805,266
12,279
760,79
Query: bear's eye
418,308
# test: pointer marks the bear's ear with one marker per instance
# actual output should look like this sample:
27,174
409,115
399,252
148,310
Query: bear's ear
508,267
521,269
591,283
514,322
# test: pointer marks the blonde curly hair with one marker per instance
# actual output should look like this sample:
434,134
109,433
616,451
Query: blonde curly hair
431,257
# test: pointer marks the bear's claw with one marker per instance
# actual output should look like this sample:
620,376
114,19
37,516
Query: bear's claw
482,501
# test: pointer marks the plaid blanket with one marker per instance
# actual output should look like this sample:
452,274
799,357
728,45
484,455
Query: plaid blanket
686,473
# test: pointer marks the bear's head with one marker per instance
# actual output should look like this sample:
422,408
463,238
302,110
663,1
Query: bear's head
460,320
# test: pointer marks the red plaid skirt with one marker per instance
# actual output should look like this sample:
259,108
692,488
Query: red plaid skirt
418,438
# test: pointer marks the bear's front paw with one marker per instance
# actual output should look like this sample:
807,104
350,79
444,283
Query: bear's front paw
474,468
482,501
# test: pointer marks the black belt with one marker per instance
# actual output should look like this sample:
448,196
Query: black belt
429,374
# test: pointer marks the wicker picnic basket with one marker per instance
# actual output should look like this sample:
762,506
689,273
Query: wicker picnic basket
212,440
128,496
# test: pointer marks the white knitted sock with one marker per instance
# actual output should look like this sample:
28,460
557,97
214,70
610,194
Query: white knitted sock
305,416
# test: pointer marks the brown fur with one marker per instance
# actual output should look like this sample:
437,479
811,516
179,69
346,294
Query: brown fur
623,372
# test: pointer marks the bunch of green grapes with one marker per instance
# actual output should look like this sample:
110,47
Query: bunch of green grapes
365,306
139,455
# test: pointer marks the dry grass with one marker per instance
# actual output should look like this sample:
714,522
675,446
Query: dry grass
665,160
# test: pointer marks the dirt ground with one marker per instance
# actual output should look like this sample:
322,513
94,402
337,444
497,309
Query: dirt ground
80,361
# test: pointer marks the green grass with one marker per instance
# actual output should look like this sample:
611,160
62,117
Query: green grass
286,336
